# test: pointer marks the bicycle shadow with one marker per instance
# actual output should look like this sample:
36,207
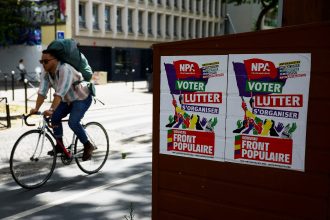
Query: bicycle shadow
109,206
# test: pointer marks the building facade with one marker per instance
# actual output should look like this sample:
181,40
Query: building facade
116,35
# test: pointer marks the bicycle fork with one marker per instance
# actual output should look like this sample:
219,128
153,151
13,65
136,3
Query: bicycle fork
42,137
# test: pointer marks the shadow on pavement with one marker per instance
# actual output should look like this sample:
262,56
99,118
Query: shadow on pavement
114,202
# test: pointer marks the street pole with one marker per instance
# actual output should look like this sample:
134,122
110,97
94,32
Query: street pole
13,84
55,24
8,115
25,89
6,82
133,70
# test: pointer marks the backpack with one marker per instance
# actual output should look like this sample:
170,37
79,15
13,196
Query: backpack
66,50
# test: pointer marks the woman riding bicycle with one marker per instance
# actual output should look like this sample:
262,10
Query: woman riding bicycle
70,97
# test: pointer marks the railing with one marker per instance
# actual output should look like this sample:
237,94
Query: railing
8,125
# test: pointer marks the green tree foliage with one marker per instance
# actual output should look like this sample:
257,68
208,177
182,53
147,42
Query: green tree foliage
267,6
12,21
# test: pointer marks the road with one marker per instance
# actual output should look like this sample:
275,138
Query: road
123,185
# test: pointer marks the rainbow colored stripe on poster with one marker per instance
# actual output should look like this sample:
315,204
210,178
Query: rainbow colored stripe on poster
170,140
238,147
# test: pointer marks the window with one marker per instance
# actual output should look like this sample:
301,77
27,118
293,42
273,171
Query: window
96,17
211,8
204,29
176,4
107,18
130,20
151,2
82,15
168,3
210,29
216,31
198,25
204,7
191,28
190,5
159,17
140,22
159,2
217,5
168,25
184,8
175,27
183,27
119,20
198,5
150,24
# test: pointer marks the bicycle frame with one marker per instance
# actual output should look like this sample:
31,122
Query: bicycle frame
30,174
45,128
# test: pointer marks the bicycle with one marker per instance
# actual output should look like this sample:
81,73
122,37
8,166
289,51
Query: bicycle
31,165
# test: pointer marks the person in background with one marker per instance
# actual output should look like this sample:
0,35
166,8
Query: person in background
22,69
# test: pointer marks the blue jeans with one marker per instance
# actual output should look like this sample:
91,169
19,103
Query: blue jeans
77,111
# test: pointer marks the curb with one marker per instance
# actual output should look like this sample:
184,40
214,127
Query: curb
12,117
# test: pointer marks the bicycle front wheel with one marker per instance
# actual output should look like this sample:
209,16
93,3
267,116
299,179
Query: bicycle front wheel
30,165
98,136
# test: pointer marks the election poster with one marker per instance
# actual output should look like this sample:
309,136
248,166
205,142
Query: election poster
267,104
193,106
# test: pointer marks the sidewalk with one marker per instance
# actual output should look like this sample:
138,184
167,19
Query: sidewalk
107,93
113,95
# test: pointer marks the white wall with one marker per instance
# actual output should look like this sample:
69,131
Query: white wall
243,16
9,57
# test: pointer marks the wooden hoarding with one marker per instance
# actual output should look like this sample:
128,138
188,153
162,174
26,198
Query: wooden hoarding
186,186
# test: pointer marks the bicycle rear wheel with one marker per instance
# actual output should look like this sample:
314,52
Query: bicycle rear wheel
30,165
98,136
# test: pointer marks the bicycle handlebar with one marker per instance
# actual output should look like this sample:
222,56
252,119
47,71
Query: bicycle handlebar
47,119
25,117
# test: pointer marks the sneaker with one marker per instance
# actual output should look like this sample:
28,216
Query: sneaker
58,150
88,150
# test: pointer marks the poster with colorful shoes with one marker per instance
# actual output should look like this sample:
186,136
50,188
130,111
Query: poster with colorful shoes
267,104
193,106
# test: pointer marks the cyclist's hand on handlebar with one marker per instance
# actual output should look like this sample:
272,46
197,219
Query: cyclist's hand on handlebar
33,111
48,113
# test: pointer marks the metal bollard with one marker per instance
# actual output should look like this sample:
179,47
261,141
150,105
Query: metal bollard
6,82
8,115
13,84
26,99
133,70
